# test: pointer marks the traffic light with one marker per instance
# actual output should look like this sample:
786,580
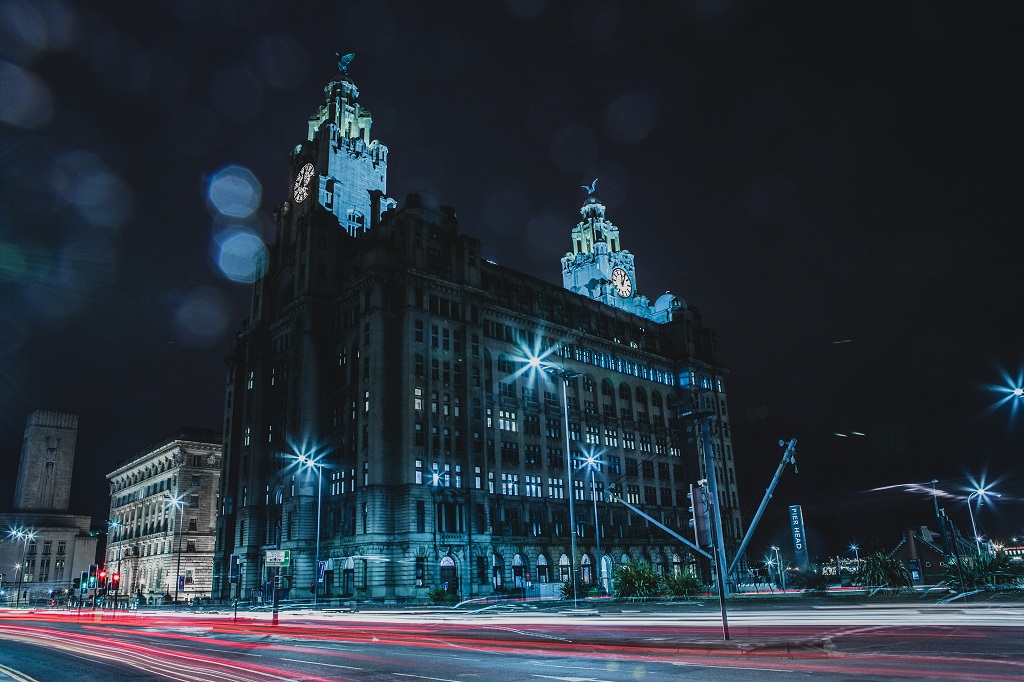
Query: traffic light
84,584
103,578
115,581
699,509
93,570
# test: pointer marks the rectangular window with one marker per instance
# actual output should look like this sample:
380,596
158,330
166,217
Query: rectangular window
556,488
507,420
510,484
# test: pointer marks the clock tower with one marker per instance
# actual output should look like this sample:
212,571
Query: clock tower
340,167
599,268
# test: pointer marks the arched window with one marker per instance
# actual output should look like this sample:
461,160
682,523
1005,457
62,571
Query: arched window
624,392
564,570
607,390
587,576
543,570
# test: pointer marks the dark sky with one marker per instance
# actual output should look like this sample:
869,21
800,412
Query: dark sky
837,189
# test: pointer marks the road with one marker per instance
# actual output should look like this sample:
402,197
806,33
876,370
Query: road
826,643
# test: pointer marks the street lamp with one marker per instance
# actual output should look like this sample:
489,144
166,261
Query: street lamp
856,552
593,463
24,536
178,503
980,492
782,576
117,581
565,375
313,464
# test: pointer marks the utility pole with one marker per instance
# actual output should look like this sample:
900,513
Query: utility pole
789,456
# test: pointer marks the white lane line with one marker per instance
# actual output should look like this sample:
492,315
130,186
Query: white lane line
422,677
727,667
16,674
329,665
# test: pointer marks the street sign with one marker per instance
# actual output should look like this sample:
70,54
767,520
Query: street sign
279,557
322,566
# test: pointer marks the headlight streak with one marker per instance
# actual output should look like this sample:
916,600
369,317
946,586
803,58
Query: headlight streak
433,637
144,658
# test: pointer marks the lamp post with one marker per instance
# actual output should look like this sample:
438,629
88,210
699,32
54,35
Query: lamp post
24,536
565,375
178,503
117,582
778,560
594,464
311,463
980,492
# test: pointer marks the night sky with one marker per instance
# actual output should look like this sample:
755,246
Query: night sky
836,189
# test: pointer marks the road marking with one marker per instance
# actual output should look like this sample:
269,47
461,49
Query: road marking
16,674
728,667
330,665
571,679
422,677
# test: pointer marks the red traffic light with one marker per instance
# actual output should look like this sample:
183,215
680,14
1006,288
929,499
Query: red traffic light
115,580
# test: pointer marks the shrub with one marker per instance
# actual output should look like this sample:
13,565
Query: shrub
883,572
683,584
985,572
439,595
567,589
637,579
809,578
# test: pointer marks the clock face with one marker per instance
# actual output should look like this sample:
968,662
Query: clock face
623,285
301,189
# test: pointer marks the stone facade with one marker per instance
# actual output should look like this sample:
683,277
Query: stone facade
397,360
150,540
62,545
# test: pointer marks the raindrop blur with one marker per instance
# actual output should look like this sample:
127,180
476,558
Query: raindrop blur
25,101
235,191
100,197
241,255
631,116
202,318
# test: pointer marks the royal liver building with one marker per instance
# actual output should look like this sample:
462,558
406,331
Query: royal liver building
399,410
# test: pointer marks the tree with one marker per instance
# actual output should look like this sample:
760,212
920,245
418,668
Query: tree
885,572
637,579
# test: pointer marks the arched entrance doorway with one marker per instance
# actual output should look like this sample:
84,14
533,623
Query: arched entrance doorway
449,575
518,572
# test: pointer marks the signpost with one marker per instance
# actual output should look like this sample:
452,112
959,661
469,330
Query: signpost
277,558
796,522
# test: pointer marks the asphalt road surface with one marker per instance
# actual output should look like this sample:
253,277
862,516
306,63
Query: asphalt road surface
850,643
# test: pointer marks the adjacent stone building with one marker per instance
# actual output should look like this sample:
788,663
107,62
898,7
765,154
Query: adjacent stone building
414,402
163,512
43,548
